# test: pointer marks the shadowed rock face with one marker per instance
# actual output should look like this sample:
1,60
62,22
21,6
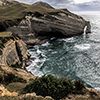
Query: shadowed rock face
15,51
59,23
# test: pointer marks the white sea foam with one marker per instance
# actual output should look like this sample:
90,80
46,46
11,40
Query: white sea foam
37,62
52,38
46,44
83,46
35,67
38,51
97,88
36,72
47,69
69,39
54,52
80,61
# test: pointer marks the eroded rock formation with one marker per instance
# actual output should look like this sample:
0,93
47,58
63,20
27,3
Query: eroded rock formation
54,23
14,52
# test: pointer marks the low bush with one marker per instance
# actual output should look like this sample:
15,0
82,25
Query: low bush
79,85
79,88
49,85
19,79
2,46
4,40
16,65
9,78
0,52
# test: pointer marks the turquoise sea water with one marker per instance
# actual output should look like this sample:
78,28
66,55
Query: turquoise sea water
77,57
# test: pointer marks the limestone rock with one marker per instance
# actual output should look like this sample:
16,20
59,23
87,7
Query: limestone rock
9,55
4,91
31,94
49,98
15,51
58,26
55,24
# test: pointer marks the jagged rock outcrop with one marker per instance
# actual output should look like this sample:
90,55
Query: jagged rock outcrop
55,23
5,92
58,25
14,52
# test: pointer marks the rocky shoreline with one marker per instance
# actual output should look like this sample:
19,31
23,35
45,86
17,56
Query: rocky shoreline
39,25
33,29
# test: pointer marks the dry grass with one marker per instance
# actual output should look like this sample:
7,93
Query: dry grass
11,15
5,34
18,10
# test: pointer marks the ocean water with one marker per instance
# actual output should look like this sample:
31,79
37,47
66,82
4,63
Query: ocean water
77,57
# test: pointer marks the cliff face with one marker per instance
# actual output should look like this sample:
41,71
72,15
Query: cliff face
42,20
54,23
15,52
58,24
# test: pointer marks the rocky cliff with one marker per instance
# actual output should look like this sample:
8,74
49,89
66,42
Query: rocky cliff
14,52
49,22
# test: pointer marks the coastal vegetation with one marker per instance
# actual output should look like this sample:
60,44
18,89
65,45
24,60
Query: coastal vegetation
57,88
5,34
47,85
17,79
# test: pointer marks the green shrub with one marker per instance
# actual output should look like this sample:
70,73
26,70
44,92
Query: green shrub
2,46
9,78
19,79
79,85
4,40
1,77
0,52
49,85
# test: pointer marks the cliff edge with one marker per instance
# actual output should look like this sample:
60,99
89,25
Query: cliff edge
34,22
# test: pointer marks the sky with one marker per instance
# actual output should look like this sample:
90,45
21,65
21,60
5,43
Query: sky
71,5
